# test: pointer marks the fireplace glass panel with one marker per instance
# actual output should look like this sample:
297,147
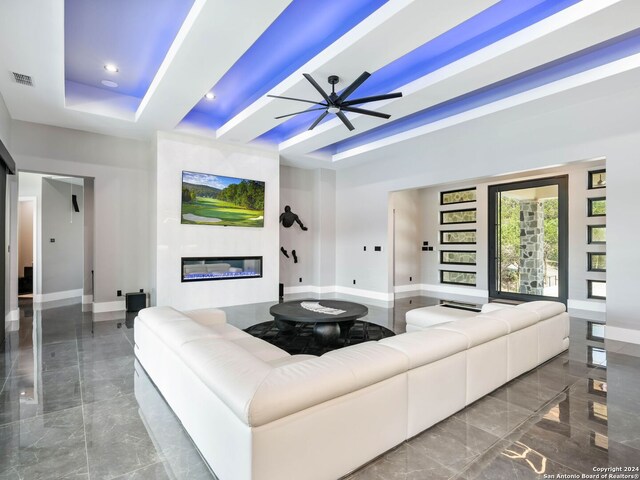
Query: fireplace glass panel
198,269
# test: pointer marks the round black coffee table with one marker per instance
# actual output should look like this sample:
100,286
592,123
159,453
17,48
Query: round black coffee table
331,318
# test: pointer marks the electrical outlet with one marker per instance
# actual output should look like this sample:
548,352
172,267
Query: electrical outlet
119,293
52,240
300,279
411,279
425,249
354,282
377,248
365,248
142,290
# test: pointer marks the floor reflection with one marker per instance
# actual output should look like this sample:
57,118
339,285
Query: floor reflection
75,404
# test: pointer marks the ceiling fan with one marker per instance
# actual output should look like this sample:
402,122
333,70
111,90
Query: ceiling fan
338,104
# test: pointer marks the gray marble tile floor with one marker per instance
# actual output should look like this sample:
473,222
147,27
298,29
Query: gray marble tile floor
75,404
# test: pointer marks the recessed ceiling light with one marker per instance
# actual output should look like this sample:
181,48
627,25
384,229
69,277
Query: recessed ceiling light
109,83
111,68
209,96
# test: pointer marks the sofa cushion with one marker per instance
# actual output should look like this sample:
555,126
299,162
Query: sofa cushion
229,332
228,370
207,316
515,319
280,362
177,333
478,330
294,387
152,316
259,348
543,308
493,306
428,316
427,346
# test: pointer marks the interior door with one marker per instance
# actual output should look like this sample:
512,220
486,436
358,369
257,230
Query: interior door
528,240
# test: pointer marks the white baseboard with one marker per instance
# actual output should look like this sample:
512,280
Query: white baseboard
87,299
416,287
622,334
54,296
356,292
586,305
12,320
101,307
456,290
308,289
12,326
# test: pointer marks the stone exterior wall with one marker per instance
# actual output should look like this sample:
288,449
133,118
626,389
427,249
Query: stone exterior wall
531,247
459,257
458,196
458,237
464,278
459,216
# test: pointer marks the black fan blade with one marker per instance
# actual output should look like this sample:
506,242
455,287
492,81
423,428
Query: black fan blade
317,87
375,98
296,99
351,88
345,120
303,111
318,120
365,112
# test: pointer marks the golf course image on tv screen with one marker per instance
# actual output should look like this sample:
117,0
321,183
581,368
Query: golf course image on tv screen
216,200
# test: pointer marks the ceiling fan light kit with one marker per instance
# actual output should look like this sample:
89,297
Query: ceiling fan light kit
338,104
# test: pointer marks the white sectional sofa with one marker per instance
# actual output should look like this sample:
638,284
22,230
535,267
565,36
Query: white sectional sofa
256,412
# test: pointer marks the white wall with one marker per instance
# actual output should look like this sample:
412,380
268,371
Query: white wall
11,230
176,153
311,195
89,240
405,207
26,211
298,189
5,124
62,260
119,168
506,142
577,231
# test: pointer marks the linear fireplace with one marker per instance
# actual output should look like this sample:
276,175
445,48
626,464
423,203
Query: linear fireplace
200,269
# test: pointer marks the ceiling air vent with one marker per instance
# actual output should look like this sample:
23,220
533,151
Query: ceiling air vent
23,79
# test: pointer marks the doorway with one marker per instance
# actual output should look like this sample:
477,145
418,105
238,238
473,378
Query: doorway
55,239
26,244
528,232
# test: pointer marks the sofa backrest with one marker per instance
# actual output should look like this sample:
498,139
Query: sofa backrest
295,387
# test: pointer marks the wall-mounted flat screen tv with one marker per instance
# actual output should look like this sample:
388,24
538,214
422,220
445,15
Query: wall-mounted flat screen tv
226,201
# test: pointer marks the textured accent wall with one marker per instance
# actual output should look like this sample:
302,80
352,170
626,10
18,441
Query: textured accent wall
531,247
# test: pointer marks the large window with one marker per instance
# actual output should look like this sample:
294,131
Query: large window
528,239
